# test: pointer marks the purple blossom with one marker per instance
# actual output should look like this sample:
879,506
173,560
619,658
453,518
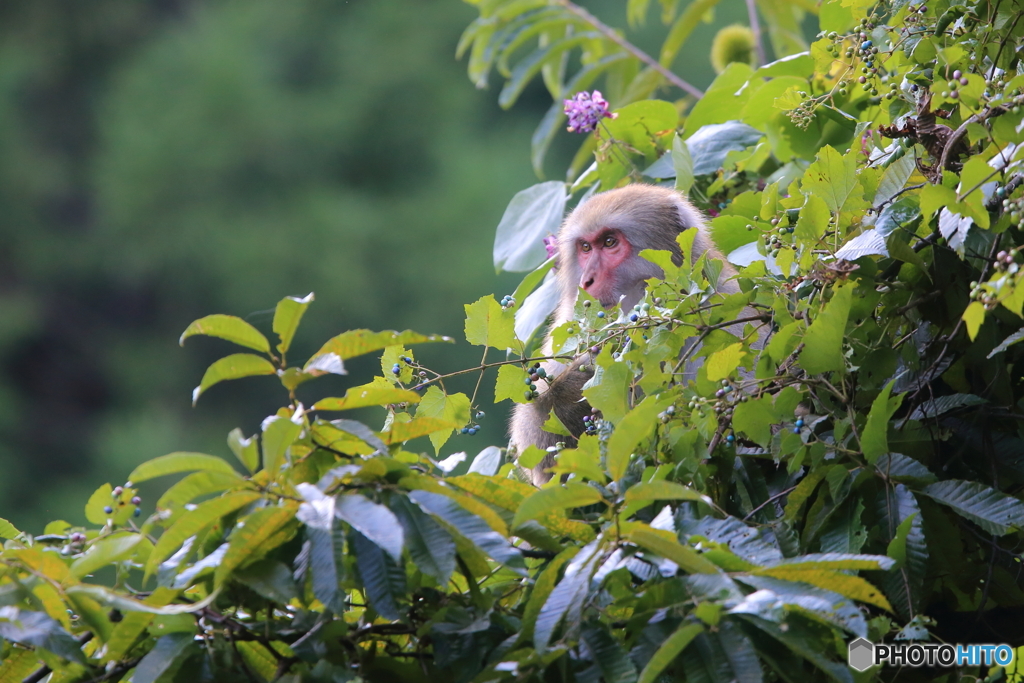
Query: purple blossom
585,111
551,244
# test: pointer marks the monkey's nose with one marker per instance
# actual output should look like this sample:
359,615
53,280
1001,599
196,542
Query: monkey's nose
587,283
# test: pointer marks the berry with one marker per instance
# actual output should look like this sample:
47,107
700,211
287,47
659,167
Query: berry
957,74
464,430
108,510
136,500
633,317
799,422
527,381
396,370
730,438
138,512
480,415
796,430
541,372
600,314
473,431
528,394
116,493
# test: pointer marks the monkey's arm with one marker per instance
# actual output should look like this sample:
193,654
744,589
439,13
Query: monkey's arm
564,396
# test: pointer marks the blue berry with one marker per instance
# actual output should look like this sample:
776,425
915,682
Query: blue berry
600,314
527,381
730,438
396,369
108,510
138,512
540,372
866,45
473,431
800,422
480,414
796,430
634,317
464,430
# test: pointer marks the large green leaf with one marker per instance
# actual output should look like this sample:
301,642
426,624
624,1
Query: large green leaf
555,497
228,327
382,579
636,426
287,316
317,513
430,546
235,366
165,657
823,341
358,342
452,409
607,652
566,600
105,551
249,534
372,520
37,629
532,215
874,439
668,651
488,324
182,461
995,512
833,177
470,526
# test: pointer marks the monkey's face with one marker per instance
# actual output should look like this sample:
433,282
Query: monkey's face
601,255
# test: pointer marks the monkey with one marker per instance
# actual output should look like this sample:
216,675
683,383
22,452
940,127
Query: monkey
598,251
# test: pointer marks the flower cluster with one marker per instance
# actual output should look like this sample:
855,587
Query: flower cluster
585,111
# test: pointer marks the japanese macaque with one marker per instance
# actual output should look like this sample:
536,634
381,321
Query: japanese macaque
598,251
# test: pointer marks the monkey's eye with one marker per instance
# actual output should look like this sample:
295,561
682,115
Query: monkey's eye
610,242
584,246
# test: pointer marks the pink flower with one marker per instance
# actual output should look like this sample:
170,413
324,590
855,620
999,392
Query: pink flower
585,111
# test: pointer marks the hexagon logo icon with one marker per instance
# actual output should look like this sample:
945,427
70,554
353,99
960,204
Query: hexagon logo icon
861,655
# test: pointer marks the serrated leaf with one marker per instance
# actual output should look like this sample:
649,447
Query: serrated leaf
287,316
470,526
181,461
1007,343
668,651
372,520
193,521
317,513
195,485
823,341
833,177
754,419
509,384
103,552
555,497
994,511
430,546
358,342
235,366
665,544
608,653
636,426
367,395
376,572
488,324
416,427
874,440
450,408
868,243
228,327
710,144
723,363
249,533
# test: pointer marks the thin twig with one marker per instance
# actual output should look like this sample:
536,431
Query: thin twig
755,28
629,47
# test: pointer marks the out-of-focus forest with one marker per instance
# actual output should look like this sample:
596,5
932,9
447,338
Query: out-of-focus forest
163,160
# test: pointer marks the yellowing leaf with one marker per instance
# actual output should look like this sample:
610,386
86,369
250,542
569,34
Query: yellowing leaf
853,587
367,395
974,316
833,177
488,324
451,408
665,544
723,363
235,366
555,497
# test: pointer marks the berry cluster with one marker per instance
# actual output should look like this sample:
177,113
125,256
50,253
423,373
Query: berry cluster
773,241
1013,207
989,293
472,428
537,373
954,83
116,493
590,422
507,302
915,13
396,369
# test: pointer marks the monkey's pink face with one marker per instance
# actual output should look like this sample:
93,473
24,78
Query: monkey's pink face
600,254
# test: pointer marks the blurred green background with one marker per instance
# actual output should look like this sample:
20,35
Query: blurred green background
161,160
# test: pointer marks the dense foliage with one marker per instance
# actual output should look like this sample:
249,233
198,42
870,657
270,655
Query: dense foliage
859,475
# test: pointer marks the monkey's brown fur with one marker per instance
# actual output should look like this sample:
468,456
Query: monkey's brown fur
649,217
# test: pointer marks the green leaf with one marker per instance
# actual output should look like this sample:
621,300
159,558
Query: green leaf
249,533
528,67
823,341
279,433
39,630
995,512
542,588
193,521
372,394
8,530
358,342
127,631
372,520
555,497
380,576
711,144
682,163
430,546
636,426
182,461
723,101
451,408
400,431
235,366
471,527
567,598
532,215
166,656
246,450
682,28
105,551
197,484
665,544
974,316
651,491
228,327
833,177
853,587
608,653
813,221
287,316
897,548
668,651
488,324
874,439
754,419
509,384
724,363
317,513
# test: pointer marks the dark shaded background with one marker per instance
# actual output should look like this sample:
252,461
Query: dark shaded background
162,160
